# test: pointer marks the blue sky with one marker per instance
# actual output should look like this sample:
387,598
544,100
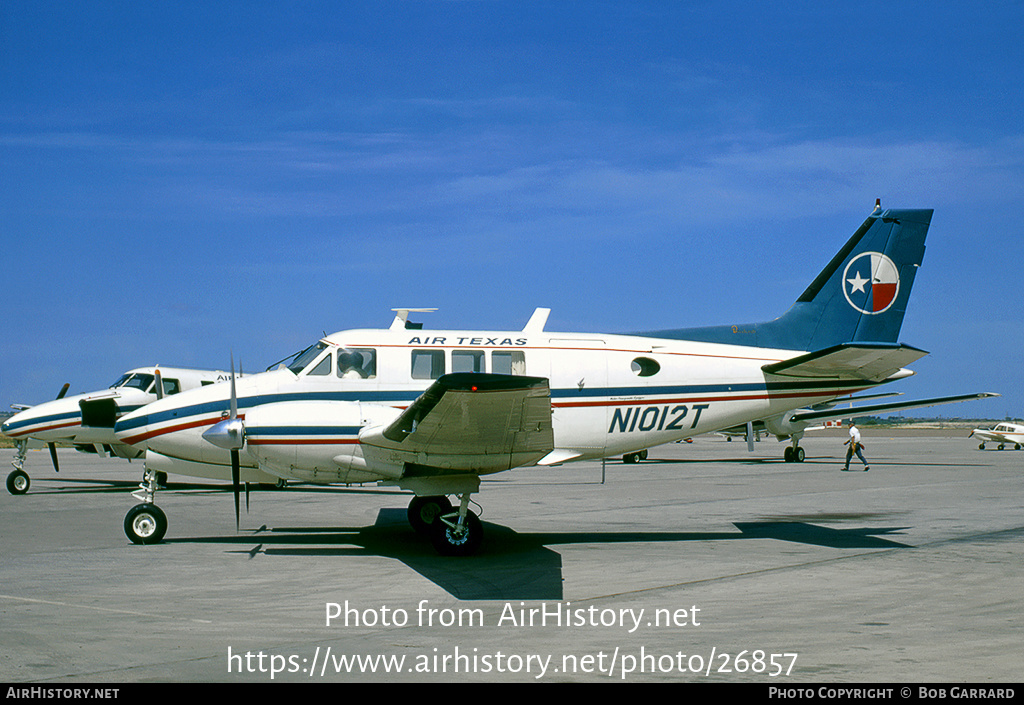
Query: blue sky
180,181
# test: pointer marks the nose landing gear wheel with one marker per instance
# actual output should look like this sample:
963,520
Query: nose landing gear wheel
145,524
451,539
18,482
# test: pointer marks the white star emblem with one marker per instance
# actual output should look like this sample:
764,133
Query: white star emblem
857,283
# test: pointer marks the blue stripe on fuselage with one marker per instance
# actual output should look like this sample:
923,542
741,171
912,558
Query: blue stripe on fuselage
407,397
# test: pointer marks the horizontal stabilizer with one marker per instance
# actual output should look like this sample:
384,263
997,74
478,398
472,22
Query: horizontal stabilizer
886,408
861,361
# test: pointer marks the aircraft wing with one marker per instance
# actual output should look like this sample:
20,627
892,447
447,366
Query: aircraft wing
873,362
885,408
470,423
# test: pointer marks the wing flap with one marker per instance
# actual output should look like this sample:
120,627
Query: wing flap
859,361
469,422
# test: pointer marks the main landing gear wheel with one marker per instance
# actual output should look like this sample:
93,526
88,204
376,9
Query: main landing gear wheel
424,511
794,455
454,539
145,524
635,457
18,482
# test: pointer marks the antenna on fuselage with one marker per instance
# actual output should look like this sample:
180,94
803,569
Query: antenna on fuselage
401,321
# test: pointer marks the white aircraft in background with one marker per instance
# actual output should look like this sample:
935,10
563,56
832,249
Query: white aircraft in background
1002,433
793,424
432,411
87,420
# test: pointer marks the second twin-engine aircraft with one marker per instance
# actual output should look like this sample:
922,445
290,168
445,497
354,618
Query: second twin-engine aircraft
86,421
432,411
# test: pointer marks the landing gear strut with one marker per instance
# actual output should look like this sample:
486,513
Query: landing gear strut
146,523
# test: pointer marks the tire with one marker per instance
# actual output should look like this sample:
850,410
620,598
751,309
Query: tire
18,482
448,542
145,524
423,512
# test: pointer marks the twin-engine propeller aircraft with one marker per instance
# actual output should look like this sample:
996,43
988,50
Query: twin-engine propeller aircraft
433,411
87,420
793,424
1003,434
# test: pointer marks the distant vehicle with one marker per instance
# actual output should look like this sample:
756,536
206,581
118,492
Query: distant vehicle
1003,434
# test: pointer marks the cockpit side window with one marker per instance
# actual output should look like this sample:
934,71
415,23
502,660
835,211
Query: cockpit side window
357,363
323,368
171,386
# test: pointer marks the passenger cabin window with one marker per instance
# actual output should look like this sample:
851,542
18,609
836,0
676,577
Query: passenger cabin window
427,364
467,361
508,362
171,386
357,363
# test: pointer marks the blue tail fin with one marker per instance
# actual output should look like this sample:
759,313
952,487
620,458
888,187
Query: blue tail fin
860,297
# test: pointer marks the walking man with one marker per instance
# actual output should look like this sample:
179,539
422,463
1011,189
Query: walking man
854,447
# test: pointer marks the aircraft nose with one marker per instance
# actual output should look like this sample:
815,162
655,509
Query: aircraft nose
11,424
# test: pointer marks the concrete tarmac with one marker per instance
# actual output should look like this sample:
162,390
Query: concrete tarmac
704,563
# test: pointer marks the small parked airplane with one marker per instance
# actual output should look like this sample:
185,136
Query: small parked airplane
1002,433
87,420
433,411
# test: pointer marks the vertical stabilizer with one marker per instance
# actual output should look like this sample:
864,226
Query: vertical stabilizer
859,297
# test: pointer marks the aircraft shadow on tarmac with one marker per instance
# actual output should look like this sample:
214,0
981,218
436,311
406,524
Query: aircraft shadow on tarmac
513,565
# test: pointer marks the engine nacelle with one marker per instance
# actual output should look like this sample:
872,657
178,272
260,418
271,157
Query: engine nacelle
315,441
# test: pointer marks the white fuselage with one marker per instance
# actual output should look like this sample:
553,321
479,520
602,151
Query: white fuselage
610,394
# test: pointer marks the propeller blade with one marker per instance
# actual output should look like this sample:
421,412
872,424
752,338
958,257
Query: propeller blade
159,384
63,390
234,395
750,436
235,482
53,452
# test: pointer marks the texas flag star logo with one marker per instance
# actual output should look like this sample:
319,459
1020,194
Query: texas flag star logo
871,282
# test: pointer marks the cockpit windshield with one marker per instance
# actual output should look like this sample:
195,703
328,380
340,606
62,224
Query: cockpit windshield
134,380
305,357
